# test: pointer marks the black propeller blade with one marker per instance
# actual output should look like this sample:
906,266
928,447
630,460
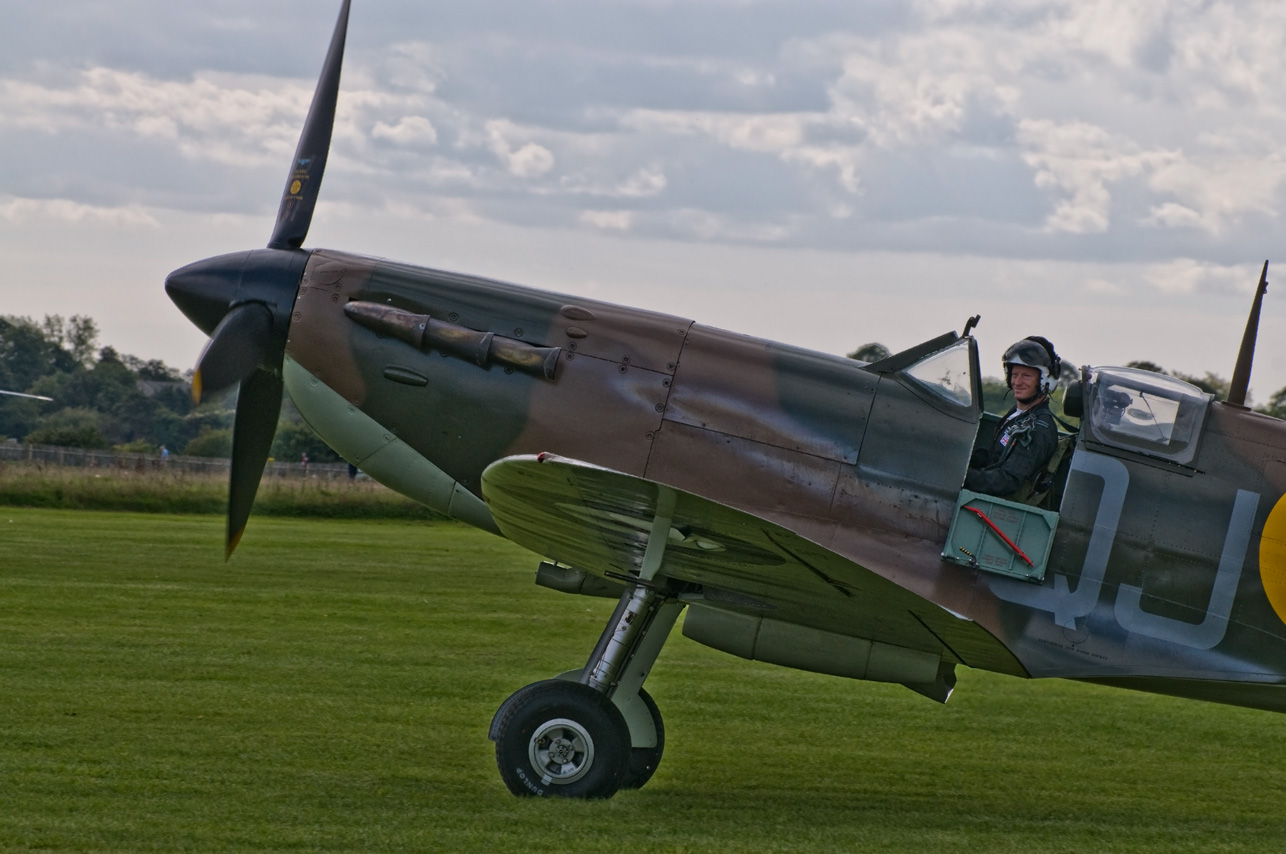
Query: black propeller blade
237,347
304,180
258,407
243,301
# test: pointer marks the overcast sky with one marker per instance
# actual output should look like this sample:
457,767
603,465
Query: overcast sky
824,173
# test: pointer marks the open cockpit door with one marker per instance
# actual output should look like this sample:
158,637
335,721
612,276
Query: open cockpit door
996,535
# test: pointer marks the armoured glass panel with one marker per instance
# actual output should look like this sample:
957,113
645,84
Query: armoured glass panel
946,373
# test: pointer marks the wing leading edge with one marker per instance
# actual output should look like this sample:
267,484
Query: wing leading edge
748,581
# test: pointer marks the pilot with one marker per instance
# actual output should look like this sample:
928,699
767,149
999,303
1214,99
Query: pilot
1027,436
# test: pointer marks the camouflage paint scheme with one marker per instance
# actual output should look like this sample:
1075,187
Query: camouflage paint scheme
859,462
798,505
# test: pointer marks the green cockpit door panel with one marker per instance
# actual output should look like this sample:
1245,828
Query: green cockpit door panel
1000,536
599,520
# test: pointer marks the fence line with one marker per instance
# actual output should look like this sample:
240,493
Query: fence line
52,455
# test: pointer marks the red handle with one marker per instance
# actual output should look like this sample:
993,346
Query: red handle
1001,534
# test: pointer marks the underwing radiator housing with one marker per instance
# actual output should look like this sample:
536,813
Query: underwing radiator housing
760,638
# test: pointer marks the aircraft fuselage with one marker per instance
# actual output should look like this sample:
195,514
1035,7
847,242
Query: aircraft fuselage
1152,572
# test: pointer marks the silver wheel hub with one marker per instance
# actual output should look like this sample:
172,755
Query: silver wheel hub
561,751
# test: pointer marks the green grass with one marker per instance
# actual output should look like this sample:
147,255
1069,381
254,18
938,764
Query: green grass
330,689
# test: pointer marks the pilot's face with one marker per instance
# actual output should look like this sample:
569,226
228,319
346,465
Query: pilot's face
1024,380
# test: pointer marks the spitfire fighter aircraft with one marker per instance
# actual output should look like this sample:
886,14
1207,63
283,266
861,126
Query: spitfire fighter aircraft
806,509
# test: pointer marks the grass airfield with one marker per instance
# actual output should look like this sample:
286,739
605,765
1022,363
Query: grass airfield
330,689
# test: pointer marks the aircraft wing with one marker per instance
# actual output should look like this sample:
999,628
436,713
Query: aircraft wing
599,521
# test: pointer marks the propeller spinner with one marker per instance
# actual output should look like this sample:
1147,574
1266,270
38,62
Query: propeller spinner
243,301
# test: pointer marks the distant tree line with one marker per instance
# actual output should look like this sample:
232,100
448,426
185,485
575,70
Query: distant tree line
105,399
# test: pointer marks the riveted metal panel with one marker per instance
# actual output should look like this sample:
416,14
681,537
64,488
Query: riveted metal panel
773,394
802,485
633,337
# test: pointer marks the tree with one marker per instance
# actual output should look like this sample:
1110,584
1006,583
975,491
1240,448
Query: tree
996,397
20,415
78,336
211,443
1276,404
871,352
1211,382
156,371
70,428
26,354
133,400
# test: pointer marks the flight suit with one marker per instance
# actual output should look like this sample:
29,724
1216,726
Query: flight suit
1023,445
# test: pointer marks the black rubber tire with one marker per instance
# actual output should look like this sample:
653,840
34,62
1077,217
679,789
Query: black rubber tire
560,739
642,761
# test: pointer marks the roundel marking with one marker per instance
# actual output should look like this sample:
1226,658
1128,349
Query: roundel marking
1272,558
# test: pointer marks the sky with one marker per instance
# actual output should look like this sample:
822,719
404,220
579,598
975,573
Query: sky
825,173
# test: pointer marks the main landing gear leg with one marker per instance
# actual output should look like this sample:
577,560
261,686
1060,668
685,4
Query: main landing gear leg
589,737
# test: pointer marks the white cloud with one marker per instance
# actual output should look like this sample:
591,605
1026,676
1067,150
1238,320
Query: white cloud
1075,162
769,134
521,158
1173,215
1111,30
844,161
1103,287
1233,52
409,130
645,182
19,211
920,88
1214,192
1186,277
235,119
608,220
530,161
414,66
993,130
708,226
228,118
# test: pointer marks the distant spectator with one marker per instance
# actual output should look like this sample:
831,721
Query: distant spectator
165,453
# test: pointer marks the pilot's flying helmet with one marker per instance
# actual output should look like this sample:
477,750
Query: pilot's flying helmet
1034,352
